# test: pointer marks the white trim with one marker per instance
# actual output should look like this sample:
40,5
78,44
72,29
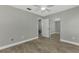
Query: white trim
17,43
55,33
57,19
70,42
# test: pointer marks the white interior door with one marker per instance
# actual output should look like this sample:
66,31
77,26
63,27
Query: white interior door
45,27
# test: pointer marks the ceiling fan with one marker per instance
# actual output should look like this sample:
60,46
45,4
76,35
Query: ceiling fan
43,8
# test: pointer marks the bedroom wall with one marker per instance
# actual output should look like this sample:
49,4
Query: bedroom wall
69,30
51,23
57,26
16,25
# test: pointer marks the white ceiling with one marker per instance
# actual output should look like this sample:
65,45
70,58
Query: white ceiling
52,9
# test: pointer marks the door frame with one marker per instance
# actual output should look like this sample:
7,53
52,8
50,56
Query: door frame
41,27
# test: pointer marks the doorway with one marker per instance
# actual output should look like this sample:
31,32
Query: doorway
57,26
43,28
39,28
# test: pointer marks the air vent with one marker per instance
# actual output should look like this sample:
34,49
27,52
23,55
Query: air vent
29,9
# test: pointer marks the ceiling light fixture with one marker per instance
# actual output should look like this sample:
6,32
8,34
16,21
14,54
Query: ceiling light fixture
43,8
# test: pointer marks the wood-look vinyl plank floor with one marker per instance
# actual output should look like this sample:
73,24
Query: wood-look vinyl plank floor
43,45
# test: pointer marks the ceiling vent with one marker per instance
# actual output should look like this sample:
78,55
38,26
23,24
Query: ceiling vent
29,9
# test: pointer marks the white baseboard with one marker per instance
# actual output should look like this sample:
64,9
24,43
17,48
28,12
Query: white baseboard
17,43
70,42
55,33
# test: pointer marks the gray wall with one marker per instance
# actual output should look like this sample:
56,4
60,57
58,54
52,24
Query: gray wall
69,24
52,23
57,26
17,24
